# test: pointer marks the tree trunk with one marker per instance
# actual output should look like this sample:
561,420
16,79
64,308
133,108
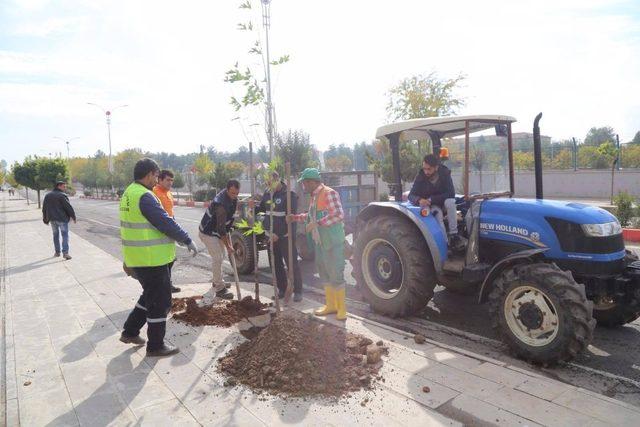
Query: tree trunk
38,198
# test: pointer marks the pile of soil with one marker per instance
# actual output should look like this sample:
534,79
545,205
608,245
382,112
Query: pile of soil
220,314
299,356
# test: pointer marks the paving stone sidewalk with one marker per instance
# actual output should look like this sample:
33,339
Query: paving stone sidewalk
64,365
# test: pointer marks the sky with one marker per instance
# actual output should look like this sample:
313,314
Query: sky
577,61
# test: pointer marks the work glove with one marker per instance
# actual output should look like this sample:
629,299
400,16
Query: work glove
191,247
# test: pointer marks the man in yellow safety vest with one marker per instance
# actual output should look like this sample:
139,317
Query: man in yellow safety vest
148,244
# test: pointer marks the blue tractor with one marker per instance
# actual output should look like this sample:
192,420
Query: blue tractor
548,269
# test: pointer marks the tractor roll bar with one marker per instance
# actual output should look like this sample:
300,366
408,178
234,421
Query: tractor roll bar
394,144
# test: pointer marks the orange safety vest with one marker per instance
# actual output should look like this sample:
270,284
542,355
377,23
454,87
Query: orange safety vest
166,199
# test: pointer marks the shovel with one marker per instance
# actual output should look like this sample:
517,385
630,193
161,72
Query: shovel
235,276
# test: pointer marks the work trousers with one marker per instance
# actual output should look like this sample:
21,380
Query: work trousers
216,249
60,228
452,216
152,306
281,256
330,263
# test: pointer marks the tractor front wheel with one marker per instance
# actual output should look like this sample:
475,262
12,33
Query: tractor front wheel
392,266
541,313
243,246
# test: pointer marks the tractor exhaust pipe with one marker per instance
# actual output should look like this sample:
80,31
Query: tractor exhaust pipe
537,155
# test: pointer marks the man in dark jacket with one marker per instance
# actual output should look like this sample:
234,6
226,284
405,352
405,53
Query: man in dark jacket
215,226
433,188
276,204
57,211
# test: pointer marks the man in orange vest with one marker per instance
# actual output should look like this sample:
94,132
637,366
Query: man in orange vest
324,224
162,190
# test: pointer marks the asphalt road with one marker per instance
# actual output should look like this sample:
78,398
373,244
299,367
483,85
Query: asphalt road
611,366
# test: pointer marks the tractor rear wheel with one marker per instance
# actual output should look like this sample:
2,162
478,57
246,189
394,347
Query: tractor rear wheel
243,246
541,313
393,266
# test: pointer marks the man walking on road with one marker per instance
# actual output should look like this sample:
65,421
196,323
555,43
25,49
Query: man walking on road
162,190
324,224
148,244
57,211
274,202
214,233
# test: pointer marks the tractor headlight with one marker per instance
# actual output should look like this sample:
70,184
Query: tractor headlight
602,230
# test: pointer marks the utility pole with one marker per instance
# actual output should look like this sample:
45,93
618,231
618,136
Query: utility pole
266,22
617,151
67,141
575,155
107,114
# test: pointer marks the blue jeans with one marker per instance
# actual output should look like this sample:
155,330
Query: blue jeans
58,228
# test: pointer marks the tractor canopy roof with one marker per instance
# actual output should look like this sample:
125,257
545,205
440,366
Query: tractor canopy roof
448,126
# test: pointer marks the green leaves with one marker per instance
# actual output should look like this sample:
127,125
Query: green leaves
40,173
283,59
245,5
248,230
424,96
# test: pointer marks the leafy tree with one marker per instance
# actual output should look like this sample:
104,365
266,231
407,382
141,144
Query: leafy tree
178,182
563,160
252,79
523,160
597,136
11,180
424,96
123,165
636,138
295,146
410,161
40,173
204,168
340,163
600,157
94,173
630,156
224,172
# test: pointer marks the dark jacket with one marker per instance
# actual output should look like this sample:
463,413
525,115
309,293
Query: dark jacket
279,208
438,192
56,207
153,211
218,218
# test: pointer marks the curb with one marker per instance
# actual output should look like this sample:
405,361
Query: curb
631,234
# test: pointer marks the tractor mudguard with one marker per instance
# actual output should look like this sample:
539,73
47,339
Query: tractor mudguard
431,232
501,265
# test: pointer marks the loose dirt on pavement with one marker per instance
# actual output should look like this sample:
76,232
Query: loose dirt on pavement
223,314
299,356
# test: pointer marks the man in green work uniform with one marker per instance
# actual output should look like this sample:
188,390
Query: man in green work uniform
324,224
148,244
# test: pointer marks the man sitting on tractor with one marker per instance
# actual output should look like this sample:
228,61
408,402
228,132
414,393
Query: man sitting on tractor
433,188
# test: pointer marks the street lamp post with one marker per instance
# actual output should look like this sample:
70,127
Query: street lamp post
67,141
107,114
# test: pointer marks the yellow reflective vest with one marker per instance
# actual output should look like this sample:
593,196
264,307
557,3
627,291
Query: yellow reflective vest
142,244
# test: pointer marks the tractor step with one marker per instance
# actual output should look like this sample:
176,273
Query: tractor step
471,273
454,265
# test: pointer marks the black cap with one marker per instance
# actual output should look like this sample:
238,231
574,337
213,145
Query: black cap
60,181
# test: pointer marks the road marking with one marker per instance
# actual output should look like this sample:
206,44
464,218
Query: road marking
101,223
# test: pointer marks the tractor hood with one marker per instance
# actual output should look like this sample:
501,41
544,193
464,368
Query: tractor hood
569,211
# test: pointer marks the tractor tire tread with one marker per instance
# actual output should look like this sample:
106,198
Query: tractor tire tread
419,273
571,298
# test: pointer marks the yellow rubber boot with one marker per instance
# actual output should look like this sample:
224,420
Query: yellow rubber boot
341,305
330,306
